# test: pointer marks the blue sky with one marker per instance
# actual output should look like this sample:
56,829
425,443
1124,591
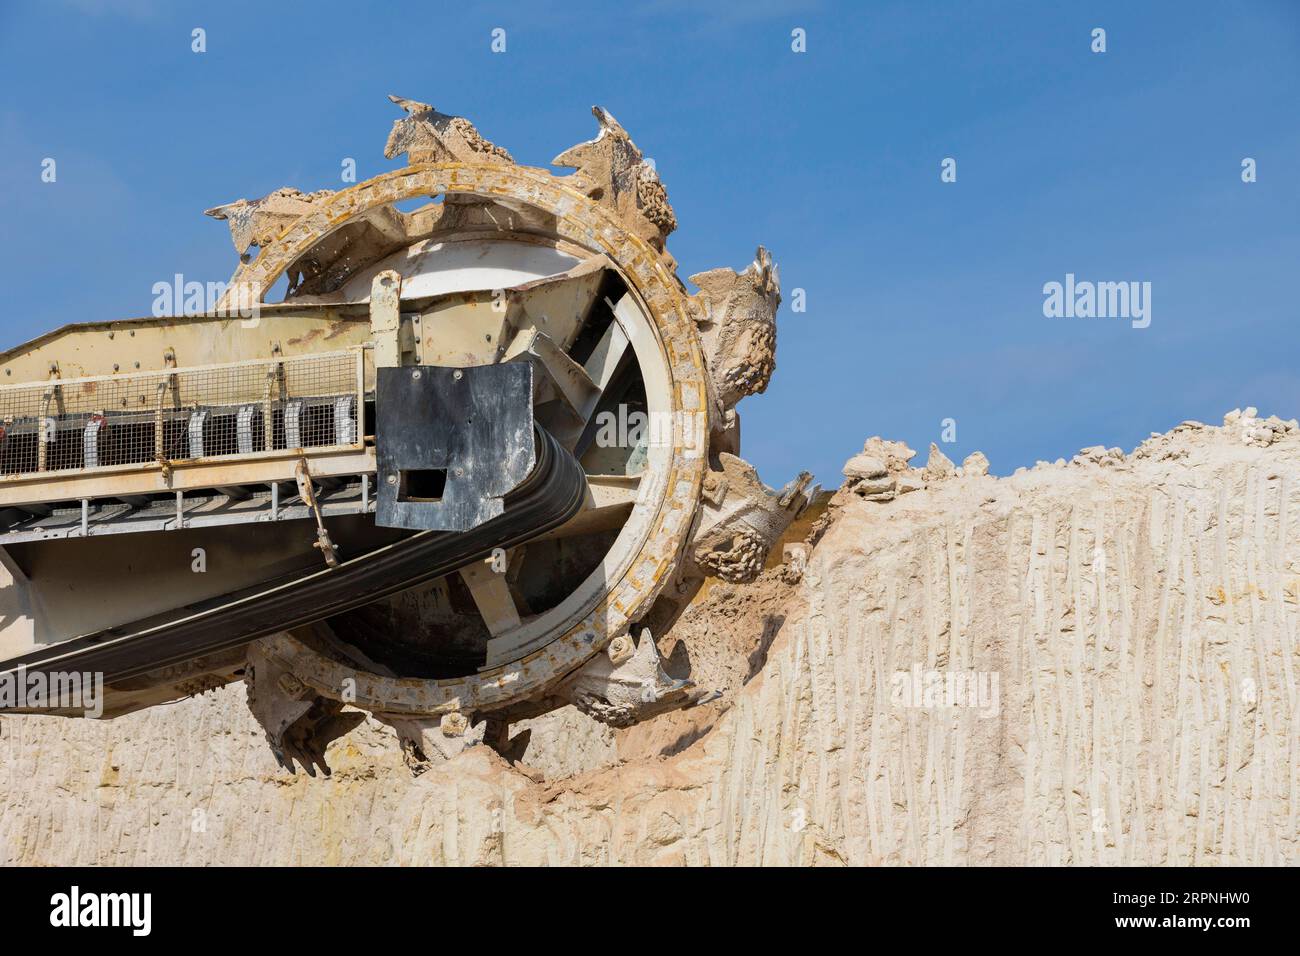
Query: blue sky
924,298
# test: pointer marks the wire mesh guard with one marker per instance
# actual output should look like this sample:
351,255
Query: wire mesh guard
176,414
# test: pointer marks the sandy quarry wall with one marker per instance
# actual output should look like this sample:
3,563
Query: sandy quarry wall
1139,614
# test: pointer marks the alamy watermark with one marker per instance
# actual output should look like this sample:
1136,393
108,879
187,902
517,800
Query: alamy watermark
944,690
1098,300
21,689
626,427
219,299
76,908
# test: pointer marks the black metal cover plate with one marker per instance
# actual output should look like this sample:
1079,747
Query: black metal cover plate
450,443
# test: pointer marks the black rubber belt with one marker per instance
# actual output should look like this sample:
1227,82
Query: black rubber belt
552,494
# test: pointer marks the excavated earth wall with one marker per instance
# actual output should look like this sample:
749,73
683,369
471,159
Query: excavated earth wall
1085,663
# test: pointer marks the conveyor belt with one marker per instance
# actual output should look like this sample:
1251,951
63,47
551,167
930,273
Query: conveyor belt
551,494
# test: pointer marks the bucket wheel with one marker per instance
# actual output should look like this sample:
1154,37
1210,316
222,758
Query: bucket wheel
494,263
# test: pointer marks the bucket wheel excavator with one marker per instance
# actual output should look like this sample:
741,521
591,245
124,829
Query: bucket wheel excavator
482,453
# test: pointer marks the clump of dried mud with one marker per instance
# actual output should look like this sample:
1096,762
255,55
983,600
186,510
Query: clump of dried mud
1137,614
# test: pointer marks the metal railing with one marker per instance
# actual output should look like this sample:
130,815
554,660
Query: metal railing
213,411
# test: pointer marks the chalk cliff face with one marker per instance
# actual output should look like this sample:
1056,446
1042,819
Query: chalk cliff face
1084,663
